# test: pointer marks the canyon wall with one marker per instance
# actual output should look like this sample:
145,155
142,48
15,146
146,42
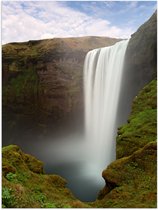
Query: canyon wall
43,83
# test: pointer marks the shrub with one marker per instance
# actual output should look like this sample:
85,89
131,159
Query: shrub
49,205
7,197
11,177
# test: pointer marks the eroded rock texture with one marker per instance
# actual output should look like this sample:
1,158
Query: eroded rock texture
42,83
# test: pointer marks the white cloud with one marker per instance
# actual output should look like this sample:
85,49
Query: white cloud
46,36
132,4
23,21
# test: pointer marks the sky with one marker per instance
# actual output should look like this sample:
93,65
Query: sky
34,20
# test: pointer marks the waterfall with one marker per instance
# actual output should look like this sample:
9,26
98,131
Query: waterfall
103,69
81,161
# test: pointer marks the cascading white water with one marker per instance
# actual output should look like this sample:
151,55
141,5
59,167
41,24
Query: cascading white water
82,161
103,70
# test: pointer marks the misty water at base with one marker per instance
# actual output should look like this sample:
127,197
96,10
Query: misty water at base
72,162
103,72
65,155
69,154
81,158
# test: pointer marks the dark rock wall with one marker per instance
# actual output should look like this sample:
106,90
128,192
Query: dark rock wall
141,53
140,64
42,83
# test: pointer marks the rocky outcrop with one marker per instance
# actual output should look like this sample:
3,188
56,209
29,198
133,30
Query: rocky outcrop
25,185
140,62
42,82
132,180
141,126
141,55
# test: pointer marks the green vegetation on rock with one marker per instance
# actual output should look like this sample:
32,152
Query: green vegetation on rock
7,197
26,186
42,82
131,179
22,88
141,126
134,180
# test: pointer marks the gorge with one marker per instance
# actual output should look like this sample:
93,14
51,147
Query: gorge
43,107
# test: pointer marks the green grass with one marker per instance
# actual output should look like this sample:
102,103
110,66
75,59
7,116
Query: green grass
7,197
11,177
132,176
26,186
142,124
23,87
135,180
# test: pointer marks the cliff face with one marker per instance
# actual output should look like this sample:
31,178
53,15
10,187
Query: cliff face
140,63
42,81
141,56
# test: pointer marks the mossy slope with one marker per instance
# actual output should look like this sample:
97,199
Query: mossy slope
26,186
141,126
131,179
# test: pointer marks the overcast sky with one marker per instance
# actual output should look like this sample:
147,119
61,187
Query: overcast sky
33,20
